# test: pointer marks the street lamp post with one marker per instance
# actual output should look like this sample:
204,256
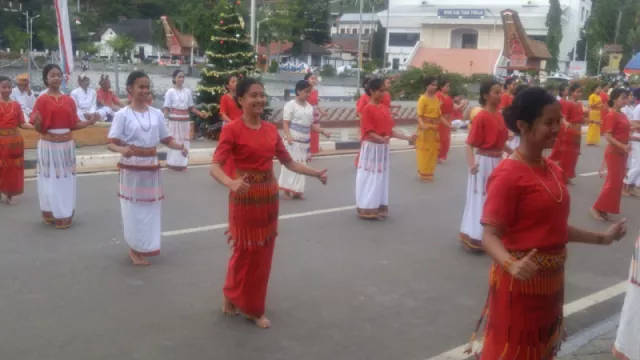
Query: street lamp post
600,61
258,34
493,39
253,22
30,29
359,47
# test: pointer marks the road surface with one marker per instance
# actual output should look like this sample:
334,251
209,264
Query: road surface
341,288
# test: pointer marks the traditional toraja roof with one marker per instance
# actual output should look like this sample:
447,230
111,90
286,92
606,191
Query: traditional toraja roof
532,48
185,40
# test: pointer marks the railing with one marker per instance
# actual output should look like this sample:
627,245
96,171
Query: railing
413,53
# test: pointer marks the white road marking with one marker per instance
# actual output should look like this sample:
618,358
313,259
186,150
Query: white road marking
569,309
282,217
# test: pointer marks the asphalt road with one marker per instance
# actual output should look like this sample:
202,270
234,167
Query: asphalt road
341,288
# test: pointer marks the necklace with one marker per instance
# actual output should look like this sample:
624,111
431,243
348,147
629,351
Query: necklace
140,122
182,100
4,111
558,200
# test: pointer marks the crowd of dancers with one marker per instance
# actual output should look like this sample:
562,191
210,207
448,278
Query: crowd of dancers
517,201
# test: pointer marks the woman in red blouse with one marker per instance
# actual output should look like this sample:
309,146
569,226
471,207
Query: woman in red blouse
617,131
229,111
314,100
486,144
55,117
253,201
525,220
372,179
566,149
446,107
11,143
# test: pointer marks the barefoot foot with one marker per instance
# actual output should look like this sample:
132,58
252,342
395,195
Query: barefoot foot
10,201
228,309
262,322
598,215
138,259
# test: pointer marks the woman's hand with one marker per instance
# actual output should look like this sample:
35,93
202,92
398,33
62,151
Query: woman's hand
474,169
326,134
126,151
239,185
185,151
525,268
615,232
322,176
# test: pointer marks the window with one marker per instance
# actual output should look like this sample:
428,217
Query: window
403,39
354,31
342,31
464,38
366,31
470,41
396,64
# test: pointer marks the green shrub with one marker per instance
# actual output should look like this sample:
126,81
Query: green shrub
410,84
328,70
273,67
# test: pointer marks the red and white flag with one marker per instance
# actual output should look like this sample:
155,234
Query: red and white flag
64,36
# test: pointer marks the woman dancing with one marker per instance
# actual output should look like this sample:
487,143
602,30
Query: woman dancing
487,139
253,201
526,232
617,131
372,178
318,112
135,133
229,111
178,103
298,124
55,116
447,108
428,140
11,143
566,150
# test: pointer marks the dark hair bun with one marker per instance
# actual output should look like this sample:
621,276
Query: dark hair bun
527,106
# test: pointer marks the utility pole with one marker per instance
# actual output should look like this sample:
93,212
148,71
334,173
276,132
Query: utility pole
253,22
359,47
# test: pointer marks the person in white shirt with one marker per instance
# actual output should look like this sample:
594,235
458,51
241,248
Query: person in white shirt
85,98
23,95
297,120
632,180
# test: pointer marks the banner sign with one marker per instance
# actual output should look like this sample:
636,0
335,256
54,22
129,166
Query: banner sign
461,13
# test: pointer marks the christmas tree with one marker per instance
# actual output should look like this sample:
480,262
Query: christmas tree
230,54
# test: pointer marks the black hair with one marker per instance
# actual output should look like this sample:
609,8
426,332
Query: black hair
4,78
243,87
366,80
527,106
485,89
615,94
443,83
302,85
636,93
562,88
133,76
575,87
508,82
226,83
176,72
520,88
308,76
46,70
429,80
374,85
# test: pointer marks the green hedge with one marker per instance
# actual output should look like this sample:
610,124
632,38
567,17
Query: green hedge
410,84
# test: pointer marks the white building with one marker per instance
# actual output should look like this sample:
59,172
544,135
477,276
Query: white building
349,24
438,30
140,30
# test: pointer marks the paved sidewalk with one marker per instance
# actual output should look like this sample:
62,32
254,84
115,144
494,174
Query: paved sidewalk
596,349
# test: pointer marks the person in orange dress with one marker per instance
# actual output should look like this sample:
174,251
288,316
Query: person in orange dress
447,108
11,143
318,112
229,111
525,232
55,116
253,201
372,178
363,100
566,149
617,131
486,144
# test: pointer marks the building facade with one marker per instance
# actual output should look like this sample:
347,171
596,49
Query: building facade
428,30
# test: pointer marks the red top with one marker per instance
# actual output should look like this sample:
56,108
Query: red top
313,98
229,107
446,104
11,115
575,113
505,101
605,102
386,100
457,114
251,149
619,126
362,101
488,131
521,207
565,105
60,113
377,119
107,98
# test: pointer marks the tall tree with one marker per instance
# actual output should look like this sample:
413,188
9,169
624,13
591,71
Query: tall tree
554,33
601,29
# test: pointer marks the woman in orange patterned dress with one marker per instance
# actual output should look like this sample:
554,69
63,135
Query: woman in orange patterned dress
11,143
526,232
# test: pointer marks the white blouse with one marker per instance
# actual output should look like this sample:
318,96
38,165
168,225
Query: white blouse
86,101
181,99
300,118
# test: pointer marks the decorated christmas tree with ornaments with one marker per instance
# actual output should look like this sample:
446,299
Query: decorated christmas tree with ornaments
230,54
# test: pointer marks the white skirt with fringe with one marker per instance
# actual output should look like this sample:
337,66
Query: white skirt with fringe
180,132
372,178
288,180
628,337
